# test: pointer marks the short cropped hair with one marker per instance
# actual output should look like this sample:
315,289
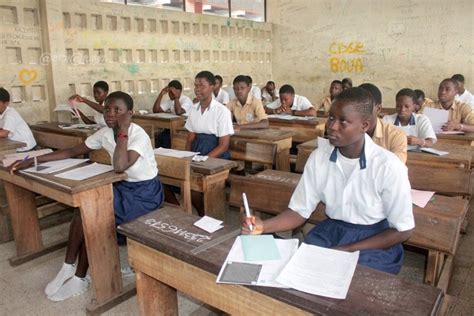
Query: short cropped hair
347,80
271,82
362,100
218,77
4,95
420,94
337,81
102,85
450,80
374,91
407,92
250,78
175,84
125,97
458,77
286,88
242,78
208,76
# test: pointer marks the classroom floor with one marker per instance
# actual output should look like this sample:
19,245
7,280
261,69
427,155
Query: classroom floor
22,287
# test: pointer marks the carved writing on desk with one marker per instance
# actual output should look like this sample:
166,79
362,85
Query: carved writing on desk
164,227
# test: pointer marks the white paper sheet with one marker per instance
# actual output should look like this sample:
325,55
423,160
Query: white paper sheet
209,224
437,117
453,133
270,268
434,151
56,165
421,198
174,153
320,271
86,172
164,115
65,107
289,117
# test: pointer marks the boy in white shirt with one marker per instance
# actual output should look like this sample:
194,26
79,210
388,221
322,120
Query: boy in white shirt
417,127
269,93
463,95
290,103
220,94
365,189
12,125
100,91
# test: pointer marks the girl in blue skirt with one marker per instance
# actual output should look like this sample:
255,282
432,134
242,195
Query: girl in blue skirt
131,152
365,189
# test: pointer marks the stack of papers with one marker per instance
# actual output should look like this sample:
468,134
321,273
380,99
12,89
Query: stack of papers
86,172
434,151
209,224
421,198
56,165
11,158
174,153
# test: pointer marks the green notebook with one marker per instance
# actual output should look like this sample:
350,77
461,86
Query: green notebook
259,248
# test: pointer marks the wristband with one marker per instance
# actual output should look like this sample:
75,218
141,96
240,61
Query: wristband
122,136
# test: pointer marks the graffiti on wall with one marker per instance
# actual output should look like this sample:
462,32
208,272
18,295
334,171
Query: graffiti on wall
346,57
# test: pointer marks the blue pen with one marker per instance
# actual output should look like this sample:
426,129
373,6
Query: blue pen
26,158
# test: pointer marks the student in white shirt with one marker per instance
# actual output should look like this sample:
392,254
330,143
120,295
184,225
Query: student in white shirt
269,93
365,189
290,103
177,104
220,94
100,90
12,125
417,127
463,95
131,152
209,124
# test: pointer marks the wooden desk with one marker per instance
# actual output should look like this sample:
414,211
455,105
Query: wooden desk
50,135
165,263
467,139
94,199
304,129
8,146
268,146
437,225
160,120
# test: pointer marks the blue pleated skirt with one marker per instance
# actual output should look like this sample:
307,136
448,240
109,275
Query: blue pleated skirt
134,199
331,233
205,143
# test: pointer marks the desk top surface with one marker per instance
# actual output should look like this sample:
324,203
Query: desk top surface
270,134
466,136
313,121
371,291
64,185
159,117
53,127
8,145
212,166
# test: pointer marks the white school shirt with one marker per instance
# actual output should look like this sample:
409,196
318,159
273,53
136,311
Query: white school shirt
99,118
168,105
466,97
145,167
418,126
267,98
222,97
256,92
19,131
300,103
377,189
216,120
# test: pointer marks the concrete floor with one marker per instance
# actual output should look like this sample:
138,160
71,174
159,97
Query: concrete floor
22,287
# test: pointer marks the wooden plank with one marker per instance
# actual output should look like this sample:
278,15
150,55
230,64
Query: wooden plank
212,166
453,181
9,146
265,134
21,259
56,141
98,309
467,139
98,222
154,297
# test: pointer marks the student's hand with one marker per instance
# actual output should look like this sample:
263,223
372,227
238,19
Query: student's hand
76,98
20,164
450,126
164,91
343,248
246,221
412,140
236,128
175,92
124,122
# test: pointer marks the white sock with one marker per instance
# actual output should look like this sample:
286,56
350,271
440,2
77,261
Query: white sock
73,287
66,272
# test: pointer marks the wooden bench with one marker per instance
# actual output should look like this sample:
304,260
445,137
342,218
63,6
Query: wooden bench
437,225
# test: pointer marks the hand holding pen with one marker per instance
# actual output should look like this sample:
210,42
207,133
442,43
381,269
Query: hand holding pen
249,224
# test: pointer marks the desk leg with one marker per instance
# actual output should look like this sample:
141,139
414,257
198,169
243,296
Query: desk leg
283,160
98,221
214,196
24,218
154,297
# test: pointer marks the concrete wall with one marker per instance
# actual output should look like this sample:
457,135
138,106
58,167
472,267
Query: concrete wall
57,48
392,43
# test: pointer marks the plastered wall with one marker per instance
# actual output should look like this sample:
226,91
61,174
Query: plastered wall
135,49
394,44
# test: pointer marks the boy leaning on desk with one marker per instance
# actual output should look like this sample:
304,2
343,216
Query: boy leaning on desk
365,189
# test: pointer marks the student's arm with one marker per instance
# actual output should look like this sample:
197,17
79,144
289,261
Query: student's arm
78,150
272,107
96,106
123,158
85,119
383,240
285,221
308,112
453,126
189,141
221,148
156,106
257,125
4,133
178,109
427,142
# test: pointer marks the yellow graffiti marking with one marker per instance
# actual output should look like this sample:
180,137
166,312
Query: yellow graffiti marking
27,76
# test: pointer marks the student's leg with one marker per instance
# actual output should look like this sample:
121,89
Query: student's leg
170,197
197,199
76,239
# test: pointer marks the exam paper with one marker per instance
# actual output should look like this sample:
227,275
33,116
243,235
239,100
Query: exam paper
270,268
209,224
421,198
56,165
174,153
434,151
437,117
320,271
86,172
65,107
163,115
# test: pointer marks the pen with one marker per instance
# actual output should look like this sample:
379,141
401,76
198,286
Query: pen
36,164
26,157
247,209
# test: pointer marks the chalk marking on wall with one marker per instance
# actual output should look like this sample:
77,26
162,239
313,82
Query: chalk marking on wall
345,57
